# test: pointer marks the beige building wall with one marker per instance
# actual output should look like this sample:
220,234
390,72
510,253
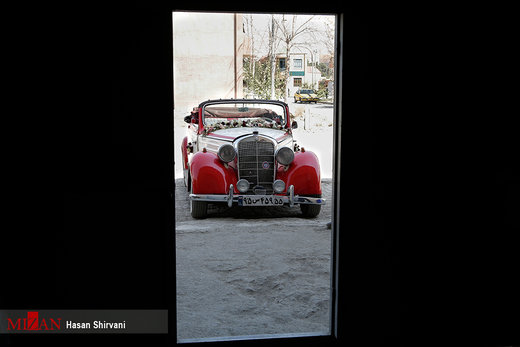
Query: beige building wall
208,56
207,64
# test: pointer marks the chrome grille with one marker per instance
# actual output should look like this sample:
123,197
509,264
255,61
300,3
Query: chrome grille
256,164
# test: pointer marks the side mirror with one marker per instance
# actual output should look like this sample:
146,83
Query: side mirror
294,125
187,119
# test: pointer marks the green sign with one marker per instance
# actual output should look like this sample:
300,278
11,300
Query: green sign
297,73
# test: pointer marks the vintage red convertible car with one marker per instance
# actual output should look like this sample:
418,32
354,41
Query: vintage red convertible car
241,151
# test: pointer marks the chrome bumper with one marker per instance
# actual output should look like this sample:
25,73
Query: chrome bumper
231,198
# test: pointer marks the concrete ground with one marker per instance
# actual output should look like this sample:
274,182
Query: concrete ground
252,270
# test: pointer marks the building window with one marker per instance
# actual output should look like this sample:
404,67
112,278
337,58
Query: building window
298,63
281,63
297,82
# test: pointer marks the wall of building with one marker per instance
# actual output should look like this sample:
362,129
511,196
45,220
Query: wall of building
208,50
295,72
207,64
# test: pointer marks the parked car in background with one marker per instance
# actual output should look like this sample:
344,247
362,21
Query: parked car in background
306,95
242,152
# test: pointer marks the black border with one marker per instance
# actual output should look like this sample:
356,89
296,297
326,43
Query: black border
116,74
103,154
110,70
432,184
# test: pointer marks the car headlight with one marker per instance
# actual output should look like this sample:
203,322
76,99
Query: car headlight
284,155
242,185
278,186
227,153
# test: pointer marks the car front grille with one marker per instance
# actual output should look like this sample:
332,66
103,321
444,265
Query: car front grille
256,164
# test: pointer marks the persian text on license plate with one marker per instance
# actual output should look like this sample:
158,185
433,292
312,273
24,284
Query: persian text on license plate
260,200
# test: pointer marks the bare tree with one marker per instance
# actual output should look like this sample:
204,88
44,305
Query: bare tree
248,30
289,31
272,53
330,33
252,44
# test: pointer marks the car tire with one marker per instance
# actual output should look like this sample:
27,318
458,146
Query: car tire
198,209
187,179
310,211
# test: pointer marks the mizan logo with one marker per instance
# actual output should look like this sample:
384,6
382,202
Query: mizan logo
33,322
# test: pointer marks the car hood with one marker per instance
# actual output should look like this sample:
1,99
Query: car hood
231,134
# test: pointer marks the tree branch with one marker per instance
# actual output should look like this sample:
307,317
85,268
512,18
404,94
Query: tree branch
307,21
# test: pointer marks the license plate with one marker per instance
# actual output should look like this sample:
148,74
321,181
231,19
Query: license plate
260,200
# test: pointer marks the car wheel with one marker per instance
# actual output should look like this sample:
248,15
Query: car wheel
187,179
198,209
295,100
310,211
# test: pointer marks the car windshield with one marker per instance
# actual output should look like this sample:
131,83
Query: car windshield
244,114
307,91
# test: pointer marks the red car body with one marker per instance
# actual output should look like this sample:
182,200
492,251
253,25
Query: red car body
233,154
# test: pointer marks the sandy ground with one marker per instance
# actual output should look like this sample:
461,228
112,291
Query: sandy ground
252,270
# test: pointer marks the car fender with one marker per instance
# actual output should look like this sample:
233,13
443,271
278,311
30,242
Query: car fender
303,173
210,175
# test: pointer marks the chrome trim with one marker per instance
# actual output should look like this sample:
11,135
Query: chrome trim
276,154
291,195
259,137
278,180
302,200
231,198
226,144
248,184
